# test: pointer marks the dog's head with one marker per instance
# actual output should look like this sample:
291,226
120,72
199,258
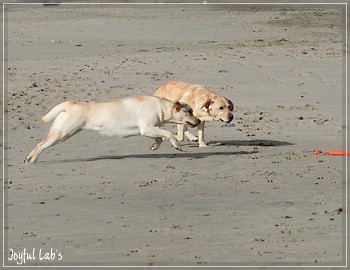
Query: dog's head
217,107
183,114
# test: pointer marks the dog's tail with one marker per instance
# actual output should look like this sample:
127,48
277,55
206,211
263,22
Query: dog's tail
51,115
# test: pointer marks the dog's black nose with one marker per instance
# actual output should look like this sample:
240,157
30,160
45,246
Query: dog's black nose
230,118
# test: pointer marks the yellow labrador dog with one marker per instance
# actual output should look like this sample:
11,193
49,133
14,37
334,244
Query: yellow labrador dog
206,104
141,115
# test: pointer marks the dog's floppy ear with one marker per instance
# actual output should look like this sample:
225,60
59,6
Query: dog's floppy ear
205,106
206,100
177,106
230,104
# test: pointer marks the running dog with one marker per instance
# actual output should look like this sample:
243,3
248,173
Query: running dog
140,115
206,104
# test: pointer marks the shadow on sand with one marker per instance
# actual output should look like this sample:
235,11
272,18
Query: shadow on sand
190,155
253,143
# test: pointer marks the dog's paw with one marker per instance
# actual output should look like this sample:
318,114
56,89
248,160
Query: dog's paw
29,159
154,147
156,144
203,144
176,145
191,137
180,149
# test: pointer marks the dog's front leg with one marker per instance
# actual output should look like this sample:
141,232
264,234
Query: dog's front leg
190,136
180,132
156,133
201,141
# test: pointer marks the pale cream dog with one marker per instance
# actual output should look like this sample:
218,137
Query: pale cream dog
206,104
141,115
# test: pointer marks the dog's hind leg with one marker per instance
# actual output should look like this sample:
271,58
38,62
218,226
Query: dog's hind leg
52,138
56,135
156,144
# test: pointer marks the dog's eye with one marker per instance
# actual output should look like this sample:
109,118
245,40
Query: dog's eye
221,108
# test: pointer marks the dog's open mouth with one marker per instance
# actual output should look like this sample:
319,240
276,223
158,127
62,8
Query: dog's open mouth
225,121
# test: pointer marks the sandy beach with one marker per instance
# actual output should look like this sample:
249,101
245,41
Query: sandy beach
258,196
